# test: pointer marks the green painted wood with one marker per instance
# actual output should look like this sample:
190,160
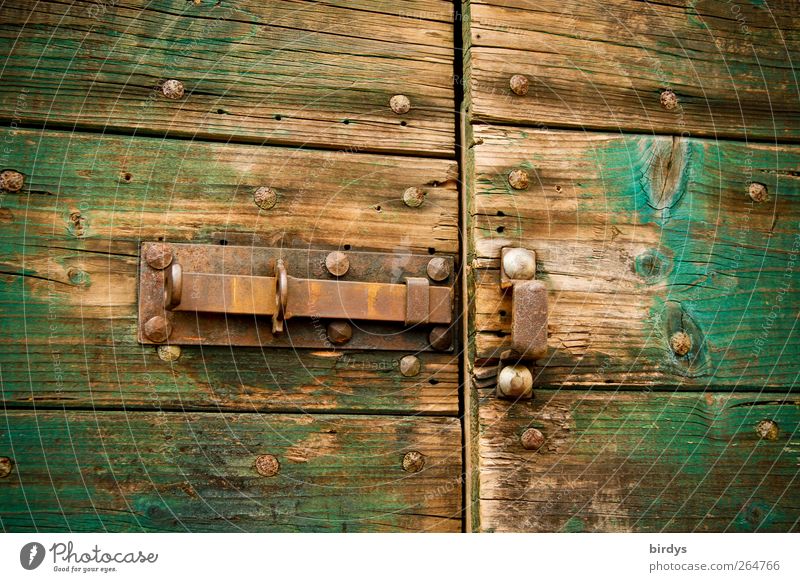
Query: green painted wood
604,65
638,237
114,471
641,461
68,272
298,73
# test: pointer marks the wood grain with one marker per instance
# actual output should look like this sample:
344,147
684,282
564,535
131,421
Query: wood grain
116,471
70,257
640,461
604,65
638,237
292,72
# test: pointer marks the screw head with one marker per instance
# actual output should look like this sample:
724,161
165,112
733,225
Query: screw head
518,179
413,462
413,197
6,465
681,343
265,197
668,100
440,338
400,104
409,366
519,84
515,381
267,465
339,332
158,256
519,264
157,329
758,192
532,439
172,89
768,429
337,263
438,269
169,353
11,181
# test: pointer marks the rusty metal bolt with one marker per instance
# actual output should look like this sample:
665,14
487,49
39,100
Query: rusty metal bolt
438,269
515,381
339,332
681,343
11,181
157,329
158,256
768,429
413,197
440,338
337,263
409,366
532,439
6,465
267,465
519,264
519,84
400,104
413,462
668,100
518,179
758,192
172,89
265,197
169,353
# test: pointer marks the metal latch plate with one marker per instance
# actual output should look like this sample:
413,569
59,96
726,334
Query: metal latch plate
234,328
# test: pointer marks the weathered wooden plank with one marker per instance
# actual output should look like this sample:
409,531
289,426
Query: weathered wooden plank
638,237
290,72
113,471
604,65
70,257
641,461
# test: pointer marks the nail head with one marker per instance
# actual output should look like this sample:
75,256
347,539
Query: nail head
11,181
267,465
157,329
515,381
413,197
518,179
339,332
169,353
668,100
532,439
172,89
409,366
758,192
768,429
337,263
440,338
158,256
400,104
6,466
519,84
413,462
265,197
681,343
438,269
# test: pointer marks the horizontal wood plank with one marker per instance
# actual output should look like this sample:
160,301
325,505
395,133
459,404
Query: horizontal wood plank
69,266
641,461
292,72
604,65
638,237
112,471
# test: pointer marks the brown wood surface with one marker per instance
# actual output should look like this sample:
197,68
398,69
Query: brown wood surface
604,64
637,237
147,471
640,461
298,72
70,260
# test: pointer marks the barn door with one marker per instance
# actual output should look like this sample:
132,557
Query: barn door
646,154
213,140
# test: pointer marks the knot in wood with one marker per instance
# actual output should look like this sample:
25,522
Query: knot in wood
6,465
681,343
758,192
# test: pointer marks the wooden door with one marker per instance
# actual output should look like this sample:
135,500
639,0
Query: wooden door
158,121
662,201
